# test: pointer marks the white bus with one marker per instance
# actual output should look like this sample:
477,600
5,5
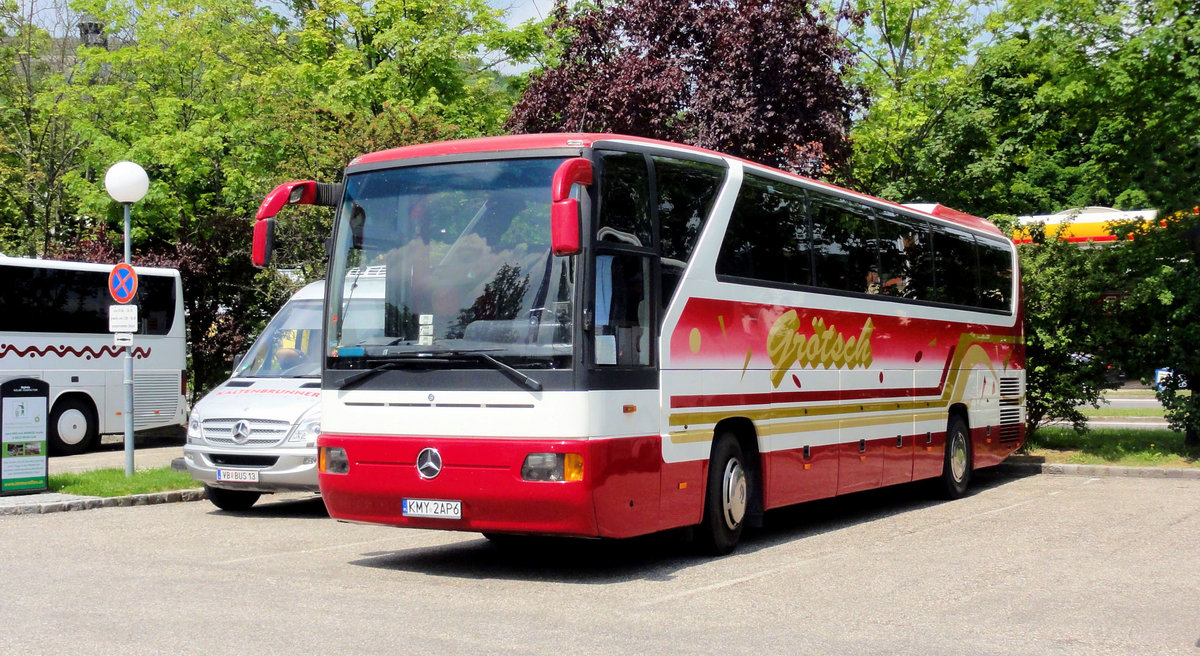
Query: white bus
54,327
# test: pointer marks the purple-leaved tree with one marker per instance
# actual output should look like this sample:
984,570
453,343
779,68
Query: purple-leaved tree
760,79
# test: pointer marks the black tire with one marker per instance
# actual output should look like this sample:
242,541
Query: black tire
957,459
73,427
231,500
726,498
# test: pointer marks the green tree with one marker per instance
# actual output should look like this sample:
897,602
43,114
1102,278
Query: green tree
1071,328
37,146
1161,307
914,61
222,99
1088,102
431,56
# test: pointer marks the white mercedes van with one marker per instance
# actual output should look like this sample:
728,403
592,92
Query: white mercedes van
256,433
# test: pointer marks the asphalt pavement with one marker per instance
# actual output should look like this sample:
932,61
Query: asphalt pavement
1054,565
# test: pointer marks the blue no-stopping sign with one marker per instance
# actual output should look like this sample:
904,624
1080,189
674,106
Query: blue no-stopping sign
122,283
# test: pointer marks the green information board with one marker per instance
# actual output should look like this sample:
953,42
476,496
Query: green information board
23,419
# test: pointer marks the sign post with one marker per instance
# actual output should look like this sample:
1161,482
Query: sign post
23,419
126,183
122,319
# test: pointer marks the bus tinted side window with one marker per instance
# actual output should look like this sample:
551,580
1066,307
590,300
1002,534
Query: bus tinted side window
767,238
905,257
42,300
956,267
995,275
686,193
624,213
844,244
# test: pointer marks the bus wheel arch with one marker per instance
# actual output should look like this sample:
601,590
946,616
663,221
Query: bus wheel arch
74,424
733,494
958,454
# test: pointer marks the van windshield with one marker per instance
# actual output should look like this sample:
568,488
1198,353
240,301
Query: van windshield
290,346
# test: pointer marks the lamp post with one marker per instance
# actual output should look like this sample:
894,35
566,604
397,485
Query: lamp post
127,183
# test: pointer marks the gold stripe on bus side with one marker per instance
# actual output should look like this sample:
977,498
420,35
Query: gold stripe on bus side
812,425
952,392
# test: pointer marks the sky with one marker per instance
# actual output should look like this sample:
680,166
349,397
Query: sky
520,11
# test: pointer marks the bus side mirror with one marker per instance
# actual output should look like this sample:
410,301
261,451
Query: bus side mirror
264,241
301,192
564,211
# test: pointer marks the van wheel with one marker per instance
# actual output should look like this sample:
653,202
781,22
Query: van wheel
231,500
73,427
726,498
956,465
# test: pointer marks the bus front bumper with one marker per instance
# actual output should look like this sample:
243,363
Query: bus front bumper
617,496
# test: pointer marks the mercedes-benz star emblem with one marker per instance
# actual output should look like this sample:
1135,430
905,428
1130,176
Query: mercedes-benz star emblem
429,463
241,432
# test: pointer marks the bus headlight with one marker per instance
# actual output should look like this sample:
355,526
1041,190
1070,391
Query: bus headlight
195,434
332,460
552,467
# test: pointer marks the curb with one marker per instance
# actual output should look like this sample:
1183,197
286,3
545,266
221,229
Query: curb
1033,468
89,503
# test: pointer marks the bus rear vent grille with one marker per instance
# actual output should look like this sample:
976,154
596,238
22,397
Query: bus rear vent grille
156,399
1010,389
1010,424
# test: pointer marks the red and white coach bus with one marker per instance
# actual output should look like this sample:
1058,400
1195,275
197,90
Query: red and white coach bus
600,335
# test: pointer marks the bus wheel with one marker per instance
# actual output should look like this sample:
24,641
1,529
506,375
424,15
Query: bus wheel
956,467
73,427
726,498
231,500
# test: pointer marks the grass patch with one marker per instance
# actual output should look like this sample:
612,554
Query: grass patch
1112,446
1104,411
1127,393
113,483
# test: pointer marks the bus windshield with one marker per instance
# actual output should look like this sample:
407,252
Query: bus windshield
464,252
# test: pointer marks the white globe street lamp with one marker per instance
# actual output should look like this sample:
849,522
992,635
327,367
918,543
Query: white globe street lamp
127,183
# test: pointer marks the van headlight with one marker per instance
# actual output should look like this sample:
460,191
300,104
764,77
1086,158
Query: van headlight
195,432
307,429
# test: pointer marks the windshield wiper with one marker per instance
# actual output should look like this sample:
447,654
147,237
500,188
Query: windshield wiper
506,369
397,362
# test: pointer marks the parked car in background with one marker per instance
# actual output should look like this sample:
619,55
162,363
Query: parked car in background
256,433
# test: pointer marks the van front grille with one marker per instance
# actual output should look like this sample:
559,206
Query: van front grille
262,432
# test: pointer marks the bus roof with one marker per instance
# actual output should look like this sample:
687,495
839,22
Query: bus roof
579,140
81,266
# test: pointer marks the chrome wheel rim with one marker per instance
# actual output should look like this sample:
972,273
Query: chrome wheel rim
72,427
958,456
733,494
